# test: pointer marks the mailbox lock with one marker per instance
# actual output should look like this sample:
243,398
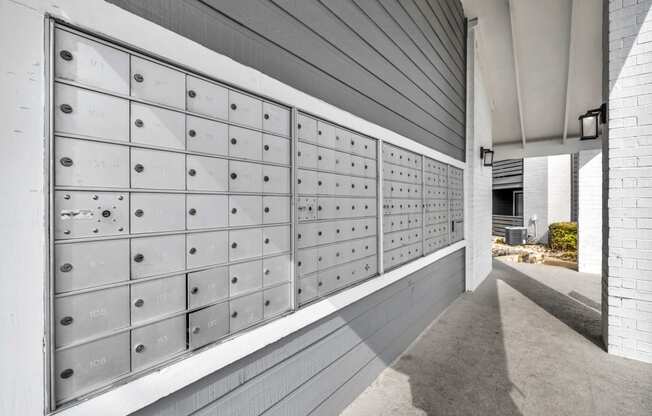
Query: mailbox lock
139,348
299,126
266,271
139,212
195,330
65,55
66,161
266,116
194,290
267,302
266,147
138,78
299,291
192,172
234,175
234,210
139,303
192,211
338,277
266,178
234,245
138,258
234,280
319,132
139,123
106,213
233,140
192,133
67,373
66,320
66,108
266,209
234,106
319,283
192,94
66,267
267,241
192,250
234,314
139,168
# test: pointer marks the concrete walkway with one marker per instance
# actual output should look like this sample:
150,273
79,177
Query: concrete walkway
526,342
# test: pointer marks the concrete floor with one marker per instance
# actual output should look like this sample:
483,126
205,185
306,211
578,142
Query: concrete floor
526,342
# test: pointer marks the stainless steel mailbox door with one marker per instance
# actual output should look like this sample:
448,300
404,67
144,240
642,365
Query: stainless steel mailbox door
307,128
245,143
306,261
207,248
326,134
207,136
157,255
90,63
276,119
276,209
245,110
245,177
206,211
307,155
207,174
245,277
246,311
90,264
208,325
307,289
276,149
244,244
325,159
276,239
342,163
276,179
245,210
155,169
276,301
157,297
157,212
81,316
208,286
85,214
206,98
86,163
83,112
154,343
306,182
276,270
157,126
307,235
83,368
157,83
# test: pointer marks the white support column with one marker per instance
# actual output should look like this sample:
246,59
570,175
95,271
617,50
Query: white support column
589,217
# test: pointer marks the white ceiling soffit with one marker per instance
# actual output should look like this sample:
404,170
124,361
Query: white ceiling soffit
549,51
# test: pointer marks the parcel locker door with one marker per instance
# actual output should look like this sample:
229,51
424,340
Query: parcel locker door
86,163
207,98
160,84
245,277
245,110
83,112
154,169
208,325
157,297
207,174
208,286
157,126
276,119
89,264
276,301
152,212
245,244
206,211
84,315
245,210
157,255
86,214
246,311
207,248
87,366
157,342
207,136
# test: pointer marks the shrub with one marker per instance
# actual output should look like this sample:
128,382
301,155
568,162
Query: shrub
562,236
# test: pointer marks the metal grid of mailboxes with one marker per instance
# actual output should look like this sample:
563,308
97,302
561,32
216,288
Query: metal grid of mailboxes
336,235
402,206
435,195
171,212
456,201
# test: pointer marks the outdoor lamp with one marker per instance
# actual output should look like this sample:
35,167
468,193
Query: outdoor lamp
590,122
487,156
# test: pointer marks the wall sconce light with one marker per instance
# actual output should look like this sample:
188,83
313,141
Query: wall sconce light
487,156
591,121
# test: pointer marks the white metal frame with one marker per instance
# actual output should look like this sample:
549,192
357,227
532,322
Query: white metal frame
116,24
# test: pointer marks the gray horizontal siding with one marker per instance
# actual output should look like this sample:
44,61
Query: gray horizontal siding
399,64
320,369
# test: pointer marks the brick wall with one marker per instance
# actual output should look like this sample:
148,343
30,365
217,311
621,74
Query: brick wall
628,165
589,259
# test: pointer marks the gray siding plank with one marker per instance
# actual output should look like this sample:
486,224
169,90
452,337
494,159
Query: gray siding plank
301,34
439,24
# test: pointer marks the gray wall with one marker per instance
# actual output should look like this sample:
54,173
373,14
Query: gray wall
322,368
399,64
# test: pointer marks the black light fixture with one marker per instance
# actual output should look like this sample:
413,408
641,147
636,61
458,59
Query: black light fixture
591,121
487,156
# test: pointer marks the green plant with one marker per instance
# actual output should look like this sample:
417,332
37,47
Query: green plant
500,240
562,236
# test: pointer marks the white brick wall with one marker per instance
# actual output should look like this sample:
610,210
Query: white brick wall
628,268
589,255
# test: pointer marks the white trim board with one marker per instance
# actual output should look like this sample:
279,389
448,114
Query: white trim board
147,389
114,23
